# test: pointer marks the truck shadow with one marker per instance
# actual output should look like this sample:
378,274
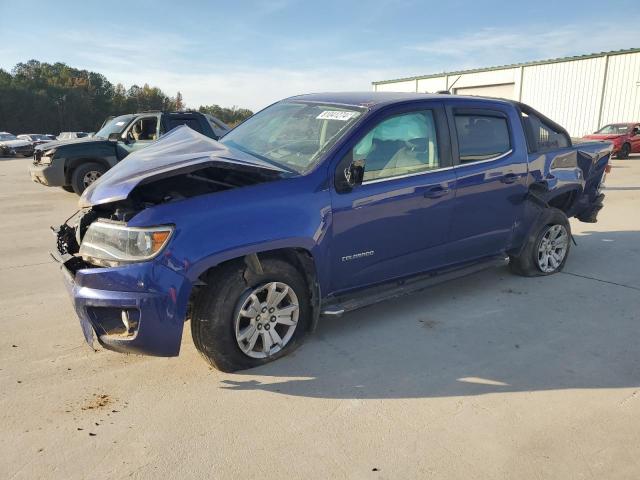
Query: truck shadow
488,333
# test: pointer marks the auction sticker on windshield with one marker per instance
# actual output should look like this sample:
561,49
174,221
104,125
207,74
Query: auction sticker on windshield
340,115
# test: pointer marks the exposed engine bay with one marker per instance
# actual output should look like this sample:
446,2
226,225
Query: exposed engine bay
155,191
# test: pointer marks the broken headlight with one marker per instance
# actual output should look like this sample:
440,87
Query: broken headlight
112,244
47,156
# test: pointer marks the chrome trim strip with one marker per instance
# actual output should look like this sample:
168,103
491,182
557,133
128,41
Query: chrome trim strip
386,179
492,159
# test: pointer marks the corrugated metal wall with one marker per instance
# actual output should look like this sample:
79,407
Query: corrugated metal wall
622,91
570,92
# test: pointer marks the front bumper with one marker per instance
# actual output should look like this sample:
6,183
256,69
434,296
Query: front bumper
51,175
154,297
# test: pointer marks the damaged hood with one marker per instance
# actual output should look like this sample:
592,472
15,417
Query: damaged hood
49,144
180,150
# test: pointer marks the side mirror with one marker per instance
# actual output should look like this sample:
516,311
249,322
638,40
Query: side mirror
354,173
349,174
114,137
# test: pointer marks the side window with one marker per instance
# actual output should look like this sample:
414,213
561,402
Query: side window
481,136
145,128
192,123
400,145
542,137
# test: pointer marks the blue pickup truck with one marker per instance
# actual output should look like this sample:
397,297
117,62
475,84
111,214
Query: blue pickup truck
317,205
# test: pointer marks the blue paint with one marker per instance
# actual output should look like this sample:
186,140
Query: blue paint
374,233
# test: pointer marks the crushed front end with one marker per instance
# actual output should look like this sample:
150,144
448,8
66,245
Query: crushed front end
134,308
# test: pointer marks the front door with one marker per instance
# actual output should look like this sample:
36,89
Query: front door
141,133
396,223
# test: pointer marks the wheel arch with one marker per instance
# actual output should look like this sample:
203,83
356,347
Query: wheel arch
73,163
565,200
300,257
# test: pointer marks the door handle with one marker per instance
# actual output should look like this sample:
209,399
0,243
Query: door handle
436,192
509,178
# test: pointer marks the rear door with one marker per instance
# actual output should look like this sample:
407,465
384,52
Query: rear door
490,160
397,222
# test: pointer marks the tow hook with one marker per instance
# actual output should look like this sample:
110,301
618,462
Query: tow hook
129,325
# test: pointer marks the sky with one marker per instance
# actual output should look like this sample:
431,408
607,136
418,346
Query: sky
250,54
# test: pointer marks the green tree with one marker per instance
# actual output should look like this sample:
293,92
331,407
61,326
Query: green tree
39,97
231,116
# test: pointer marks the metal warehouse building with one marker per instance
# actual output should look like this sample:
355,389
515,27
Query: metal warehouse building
581,93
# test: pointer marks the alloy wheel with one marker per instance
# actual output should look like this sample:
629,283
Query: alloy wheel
553,248
266,319
90,177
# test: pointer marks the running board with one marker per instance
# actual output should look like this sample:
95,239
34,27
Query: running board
337,306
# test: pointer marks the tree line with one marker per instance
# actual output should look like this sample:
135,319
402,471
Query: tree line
39,97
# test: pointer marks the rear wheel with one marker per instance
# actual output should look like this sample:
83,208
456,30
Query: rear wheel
547,248
624,152
239,323
84,175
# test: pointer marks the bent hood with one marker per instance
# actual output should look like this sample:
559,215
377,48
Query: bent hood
180,150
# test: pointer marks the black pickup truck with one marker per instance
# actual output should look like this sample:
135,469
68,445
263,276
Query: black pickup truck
76,164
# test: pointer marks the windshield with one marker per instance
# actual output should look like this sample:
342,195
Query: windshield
115,125
7,136
614,129
39,137
293,134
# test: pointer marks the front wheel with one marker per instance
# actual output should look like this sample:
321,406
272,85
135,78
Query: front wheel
546,249
84,175
242,321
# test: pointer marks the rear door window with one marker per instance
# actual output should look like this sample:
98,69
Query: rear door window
542,137
481,136
192,123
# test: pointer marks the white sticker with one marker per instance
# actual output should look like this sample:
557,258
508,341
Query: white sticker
120,123
339,115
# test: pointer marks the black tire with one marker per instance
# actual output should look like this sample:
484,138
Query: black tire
216,304
527,264
67,188
78,175
624,152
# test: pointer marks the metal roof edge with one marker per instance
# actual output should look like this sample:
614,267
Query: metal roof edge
512,65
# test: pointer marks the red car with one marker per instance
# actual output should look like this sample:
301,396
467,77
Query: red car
624,136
